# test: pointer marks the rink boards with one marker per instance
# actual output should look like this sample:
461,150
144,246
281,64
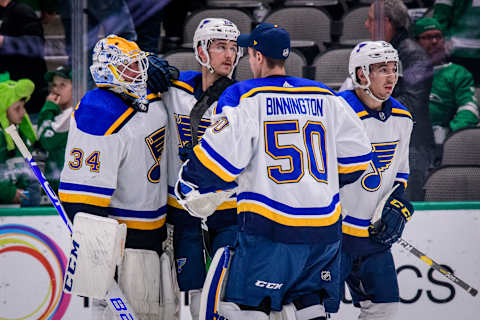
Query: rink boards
34,243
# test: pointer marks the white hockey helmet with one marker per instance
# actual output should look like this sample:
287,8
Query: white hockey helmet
215,28
367,53
120,65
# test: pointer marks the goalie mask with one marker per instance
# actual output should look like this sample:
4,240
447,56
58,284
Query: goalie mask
121,66
366,54
211,29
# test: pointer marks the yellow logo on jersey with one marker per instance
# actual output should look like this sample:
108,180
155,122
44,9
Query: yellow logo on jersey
185,132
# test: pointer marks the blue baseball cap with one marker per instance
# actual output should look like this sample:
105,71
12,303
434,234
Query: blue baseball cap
270,39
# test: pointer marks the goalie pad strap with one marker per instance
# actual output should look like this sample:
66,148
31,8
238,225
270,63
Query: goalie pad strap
97,247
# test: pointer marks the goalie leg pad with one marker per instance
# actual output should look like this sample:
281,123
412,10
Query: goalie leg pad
377,311
169,287
195,296
97,247
139,278
214,286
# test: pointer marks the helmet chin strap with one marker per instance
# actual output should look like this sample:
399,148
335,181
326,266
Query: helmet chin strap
370,93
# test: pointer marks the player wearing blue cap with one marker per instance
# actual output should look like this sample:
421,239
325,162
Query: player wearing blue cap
289,144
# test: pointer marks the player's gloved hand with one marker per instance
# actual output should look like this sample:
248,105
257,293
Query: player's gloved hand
186,151
160,73
396,212
201,203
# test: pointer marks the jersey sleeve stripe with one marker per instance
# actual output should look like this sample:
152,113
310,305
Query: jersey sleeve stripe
402,178
120,121
355,226
351,169
215,162
280,89
357,160
85,188
83,198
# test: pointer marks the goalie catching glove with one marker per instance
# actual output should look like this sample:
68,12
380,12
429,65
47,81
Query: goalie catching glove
160,74
389,228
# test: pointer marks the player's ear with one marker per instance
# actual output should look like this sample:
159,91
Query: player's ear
361,76
202,54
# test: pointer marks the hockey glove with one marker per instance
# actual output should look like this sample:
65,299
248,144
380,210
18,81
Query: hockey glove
396,212
200,203
160,73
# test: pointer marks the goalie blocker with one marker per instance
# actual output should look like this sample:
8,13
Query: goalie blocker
145,278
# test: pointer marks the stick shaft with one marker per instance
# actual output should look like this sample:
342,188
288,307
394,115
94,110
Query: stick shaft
115,298
407,246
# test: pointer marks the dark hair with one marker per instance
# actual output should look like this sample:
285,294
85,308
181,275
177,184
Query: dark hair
272,63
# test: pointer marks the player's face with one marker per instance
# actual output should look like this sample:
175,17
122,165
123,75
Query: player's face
63,88
383,77
130,72
16,112
433,42
254,65
222,56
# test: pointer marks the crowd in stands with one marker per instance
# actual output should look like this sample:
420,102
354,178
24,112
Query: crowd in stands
439,52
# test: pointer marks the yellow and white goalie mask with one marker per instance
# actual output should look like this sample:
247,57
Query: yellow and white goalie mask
210,29
120,65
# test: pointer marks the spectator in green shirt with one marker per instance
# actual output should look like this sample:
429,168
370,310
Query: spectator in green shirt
14,175
453,104
54,121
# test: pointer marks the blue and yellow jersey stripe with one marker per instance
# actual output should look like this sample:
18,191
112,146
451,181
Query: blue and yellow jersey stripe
347,165
187,81
78,193
355,227
140,219
403,179
215,162
289,216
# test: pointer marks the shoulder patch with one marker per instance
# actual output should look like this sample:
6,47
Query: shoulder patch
101,112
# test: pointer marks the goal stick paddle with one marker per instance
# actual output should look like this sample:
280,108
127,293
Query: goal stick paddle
116,300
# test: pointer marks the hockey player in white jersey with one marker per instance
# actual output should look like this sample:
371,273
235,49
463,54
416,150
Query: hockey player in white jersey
216,50
289,143
115,167
367,263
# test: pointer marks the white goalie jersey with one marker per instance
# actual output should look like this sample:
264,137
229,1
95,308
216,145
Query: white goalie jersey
389,132
286,142
115,160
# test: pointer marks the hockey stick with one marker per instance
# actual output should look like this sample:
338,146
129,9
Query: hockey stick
407,246
204,102
117,302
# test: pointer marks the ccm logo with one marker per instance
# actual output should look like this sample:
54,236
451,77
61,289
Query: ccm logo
72,265
268,285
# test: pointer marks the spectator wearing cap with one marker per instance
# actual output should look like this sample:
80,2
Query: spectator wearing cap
453,105
54,121
13,173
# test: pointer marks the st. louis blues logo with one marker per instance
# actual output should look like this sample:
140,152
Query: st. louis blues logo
383,154
180,263
184,131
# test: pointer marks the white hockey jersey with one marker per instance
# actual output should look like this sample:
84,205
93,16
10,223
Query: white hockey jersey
286,141
115,159
389,132
179,101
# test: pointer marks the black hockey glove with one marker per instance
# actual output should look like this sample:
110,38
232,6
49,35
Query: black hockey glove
160,73
396,212
204,102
